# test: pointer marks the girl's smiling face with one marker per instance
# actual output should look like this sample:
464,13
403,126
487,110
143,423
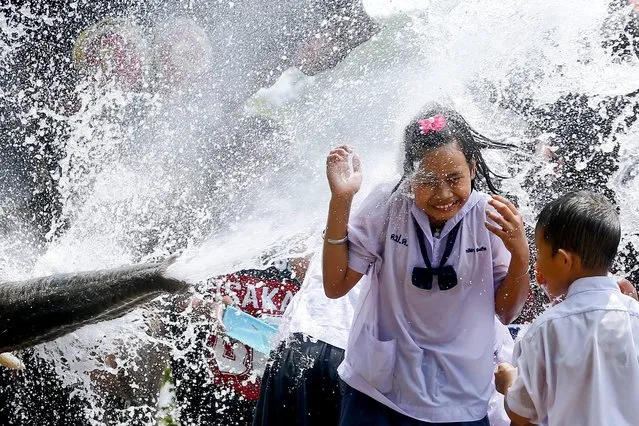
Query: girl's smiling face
442,183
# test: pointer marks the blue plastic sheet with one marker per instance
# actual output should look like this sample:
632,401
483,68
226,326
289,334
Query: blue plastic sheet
249,330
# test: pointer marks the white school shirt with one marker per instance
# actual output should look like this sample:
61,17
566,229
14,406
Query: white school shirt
329,320
312,313
504,345
425,353
579,360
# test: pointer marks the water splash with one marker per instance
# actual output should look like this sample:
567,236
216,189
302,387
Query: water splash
138,174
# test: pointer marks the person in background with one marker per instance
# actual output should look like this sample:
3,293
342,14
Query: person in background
217,379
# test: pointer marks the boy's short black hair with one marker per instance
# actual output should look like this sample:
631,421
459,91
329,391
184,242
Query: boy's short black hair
584,223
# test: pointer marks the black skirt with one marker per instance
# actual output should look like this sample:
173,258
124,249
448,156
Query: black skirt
300,385
359,409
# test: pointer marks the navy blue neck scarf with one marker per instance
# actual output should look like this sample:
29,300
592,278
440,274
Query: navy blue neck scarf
447,277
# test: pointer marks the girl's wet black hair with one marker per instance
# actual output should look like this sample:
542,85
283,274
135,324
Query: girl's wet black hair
457,130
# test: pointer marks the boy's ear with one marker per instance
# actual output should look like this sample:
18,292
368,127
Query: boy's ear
566,258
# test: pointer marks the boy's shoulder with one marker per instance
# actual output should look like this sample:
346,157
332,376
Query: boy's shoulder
544,320
581,307
549,329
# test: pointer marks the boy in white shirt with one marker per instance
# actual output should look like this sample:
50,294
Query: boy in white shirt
578,363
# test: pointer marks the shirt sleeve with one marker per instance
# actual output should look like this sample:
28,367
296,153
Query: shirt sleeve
504,343
527,394
366,228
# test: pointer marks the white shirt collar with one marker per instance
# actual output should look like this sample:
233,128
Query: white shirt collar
597,283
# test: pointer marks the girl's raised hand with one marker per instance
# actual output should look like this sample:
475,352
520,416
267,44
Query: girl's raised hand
510,227
344,178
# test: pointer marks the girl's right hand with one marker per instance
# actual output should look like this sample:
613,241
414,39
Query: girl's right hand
343,181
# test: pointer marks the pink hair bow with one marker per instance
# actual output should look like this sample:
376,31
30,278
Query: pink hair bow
435,123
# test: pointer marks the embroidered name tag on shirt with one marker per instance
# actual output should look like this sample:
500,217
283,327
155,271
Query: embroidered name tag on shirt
399,239
475,250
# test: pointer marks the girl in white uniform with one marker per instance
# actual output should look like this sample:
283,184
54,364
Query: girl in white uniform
420,350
